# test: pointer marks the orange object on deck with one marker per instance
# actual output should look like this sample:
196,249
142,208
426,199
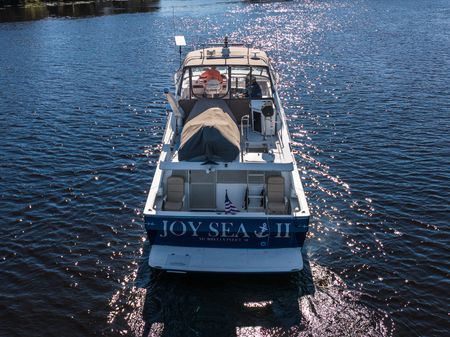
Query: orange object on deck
211,74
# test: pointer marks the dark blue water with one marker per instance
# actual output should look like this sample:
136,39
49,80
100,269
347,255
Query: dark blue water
366,89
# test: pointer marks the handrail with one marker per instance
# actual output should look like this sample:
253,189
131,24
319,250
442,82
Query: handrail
204,57
281,120
245,119
220,44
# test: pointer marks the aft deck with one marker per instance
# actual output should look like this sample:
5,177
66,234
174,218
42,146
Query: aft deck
268,154
204,192
244,179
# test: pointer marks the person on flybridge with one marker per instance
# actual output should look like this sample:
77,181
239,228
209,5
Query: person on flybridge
213,82
254,89
211,74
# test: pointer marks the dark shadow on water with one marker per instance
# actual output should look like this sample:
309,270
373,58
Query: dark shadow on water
74,9
200,304
18,10
90,8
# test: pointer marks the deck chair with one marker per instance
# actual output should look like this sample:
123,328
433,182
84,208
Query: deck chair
174,198
276,202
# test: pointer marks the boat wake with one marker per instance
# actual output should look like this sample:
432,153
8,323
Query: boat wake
313,302
337,310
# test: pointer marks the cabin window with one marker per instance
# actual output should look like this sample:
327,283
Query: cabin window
239,81
225,82
242,79
261,74
210,81
184,91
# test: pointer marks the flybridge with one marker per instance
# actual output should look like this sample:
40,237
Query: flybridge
226,183
211,53
226,53
225,46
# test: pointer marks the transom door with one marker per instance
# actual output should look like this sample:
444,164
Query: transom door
202,190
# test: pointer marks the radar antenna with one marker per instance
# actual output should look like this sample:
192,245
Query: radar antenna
225,49
180,41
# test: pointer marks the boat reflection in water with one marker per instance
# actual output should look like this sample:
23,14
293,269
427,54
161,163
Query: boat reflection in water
224,304
206,304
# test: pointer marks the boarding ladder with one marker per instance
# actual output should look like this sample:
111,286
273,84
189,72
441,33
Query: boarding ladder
256,191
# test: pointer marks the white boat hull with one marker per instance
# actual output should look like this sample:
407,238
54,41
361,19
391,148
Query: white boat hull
226,195
225,260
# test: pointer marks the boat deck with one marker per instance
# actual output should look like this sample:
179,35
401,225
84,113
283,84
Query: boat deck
259,155
264,152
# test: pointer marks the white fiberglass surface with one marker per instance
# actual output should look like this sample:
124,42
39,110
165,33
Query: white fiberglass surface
226,259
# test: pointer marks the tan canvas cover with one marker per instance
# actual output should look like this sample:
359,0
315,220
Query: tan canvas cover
210,133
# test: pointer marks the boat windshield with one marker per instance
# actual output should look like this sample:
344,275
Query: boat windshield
237,82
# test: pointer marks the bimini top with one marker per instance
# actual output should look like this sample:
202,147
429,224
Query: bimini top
237,55
210,133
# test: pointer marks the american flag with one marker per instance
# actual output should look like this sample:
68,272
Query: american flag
229,206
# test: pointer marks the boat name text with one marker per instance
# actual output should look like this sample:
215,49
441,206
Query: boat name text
222,229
